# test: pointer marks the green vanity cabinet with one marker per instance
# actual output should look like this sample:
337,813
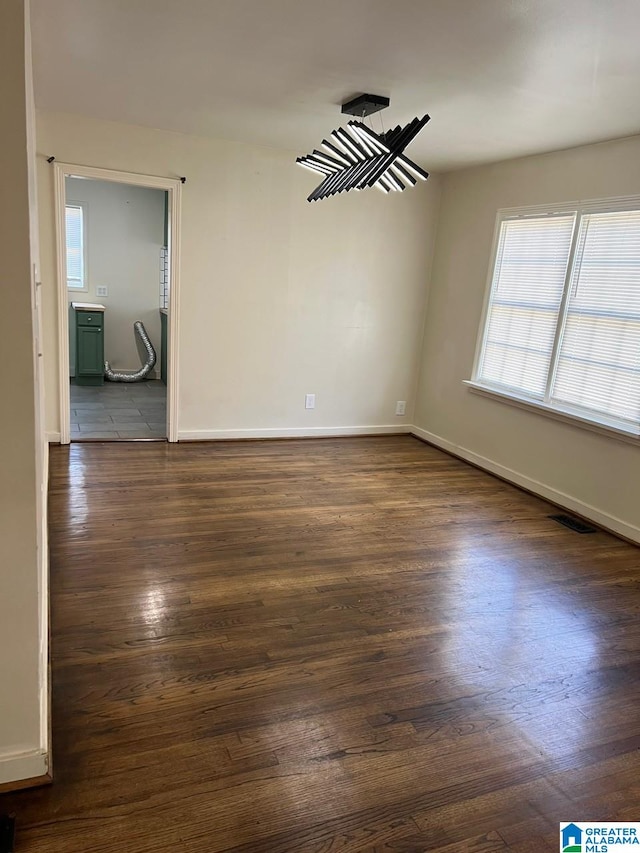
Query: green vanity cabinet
89,344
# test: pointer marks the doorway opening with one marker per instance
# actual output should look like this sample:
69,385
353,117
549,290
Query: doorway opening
117,269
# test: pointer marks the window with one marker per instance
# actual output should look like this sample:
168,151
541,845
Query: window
74,224
562,328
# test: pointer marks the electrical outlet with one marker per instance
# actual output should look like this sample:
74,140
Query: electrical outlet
401,407
309,401
102,290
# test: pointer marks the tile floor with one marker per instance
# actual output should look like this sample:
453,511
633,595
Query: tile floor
119,410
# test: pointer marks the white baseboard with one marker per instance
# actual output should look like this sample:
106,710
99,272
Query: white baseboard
18,766
52,437
604,519
294,432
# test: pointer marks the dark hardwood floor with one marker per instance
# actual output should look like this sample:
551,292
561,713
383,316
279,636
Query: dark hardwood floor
327,646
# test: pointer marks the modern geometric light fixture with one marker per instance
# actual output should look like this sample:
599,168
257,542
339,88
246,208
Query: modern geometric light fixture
357,157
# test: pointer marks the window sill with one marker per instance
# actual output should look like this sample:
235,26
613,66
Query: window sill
555,413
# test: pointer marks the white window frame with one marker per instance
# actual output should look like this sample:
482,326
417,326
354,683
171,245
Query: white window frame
578,416
85,254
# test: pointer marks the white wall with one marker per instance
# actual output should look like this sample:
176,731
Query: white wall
124,234
279,297
23,629
593,474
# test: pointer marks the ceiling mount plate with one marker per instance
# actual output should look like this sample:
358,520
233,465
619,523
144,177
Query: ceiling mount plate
365,105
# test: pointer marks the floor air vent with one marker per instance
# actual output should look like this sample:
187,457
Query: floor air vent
574,523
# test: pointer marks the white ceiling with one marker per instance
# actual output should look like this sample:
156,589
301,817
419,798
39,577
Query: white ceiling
500,78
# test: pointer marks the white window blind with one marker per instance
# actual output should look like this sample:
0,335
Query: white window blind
529,278
599,358
74,224
563,320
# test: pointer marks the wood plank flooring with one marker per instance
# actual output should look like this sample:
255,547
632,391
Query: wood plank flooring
327,646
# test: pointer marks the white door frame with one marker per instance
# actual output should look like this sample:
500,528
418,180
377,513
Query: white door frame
174,190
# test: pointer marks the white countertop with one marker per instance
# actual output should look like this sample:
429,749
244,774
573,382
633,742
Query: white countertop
87,306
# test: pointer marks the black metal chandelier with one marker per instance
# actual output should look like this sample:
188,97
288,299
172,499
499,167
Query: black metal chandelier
357,157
